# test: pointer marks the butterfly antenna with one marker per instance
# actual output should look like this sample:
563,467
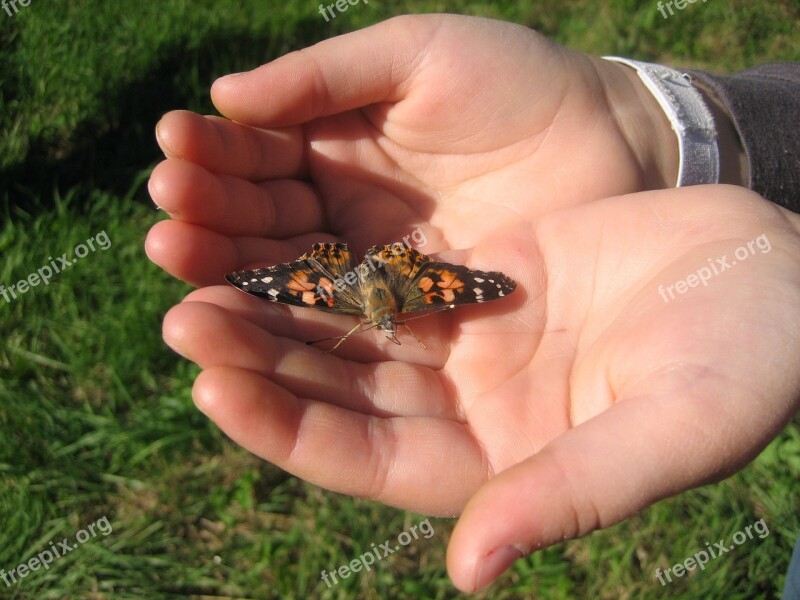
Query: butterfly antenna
421,343
341,338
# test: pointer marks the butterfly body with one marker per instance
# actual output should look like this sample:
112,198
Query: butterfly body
391,280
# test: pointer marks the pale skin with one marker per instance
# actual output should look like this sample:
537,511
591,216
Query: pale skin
571,405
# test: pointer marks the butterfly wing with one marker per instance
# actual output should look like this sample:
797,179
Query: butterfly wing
314,280
399,266
423,284
439,284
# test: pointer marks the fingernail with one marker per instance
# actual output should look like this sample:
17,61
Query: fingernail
153,195
494,563
230,76
162,143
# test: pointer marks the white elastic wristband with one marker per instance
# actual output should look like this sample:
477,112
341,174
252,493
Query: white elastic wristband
689,117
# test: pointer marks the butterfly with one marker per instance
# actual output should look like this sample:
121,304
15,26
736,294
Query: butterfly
391,280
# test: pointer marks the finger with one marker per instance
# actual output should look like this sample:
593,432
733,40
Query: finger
605,470
304,371
202,257
421,463
229,148
306,325
321,80
233,206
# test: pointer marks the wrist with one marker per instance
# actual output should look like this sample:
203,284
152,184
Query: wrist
643,124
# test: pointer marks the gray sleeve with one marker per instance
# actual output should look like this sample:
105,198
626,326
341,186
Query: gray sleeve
764,103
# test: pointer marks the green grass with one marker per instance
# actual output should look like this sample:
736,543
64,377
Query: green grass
96,413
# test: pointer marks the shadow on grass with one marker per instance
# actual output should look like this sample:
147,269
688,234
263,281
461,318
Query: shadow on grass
109,150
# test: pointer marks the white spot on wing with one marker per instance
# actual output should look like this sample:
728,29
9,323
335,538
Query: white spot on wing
273,292
266,279
479,280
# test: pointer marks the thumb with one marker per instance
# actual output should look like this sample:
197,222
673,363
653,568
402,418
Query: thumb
597,474
343,73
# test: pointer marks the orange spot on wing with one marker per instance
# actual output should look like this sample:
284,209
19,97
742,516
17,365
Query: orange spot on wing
300,282
449,281
327,287
425,284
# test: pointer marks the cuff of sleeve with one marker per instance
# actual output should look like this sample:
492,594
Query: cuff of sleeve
690,118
